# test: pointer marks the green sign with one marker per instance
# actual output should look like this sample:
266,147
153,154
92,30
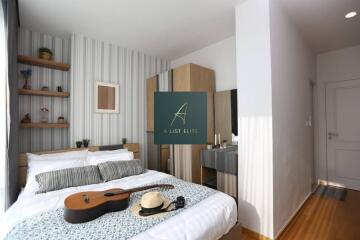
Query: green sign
180,118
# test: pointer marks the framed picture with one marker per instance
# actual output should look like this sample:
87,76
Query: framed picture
106,97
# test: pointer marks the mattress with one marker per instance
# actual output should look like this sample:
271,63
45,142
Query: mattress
209,219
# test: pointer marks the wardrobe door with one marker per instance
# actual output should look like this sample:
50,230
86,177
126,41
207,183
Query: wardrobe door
151,86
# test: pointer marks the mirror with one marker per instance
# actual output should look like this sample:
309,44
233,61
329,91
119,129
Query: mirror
106,97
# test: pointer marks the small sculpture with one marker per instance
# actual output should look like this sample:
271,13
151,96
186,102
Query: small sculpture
26,119
59,89
45,88
26,74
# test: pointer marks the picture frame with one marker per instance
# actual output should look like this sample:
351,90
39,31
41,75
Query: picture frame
106,97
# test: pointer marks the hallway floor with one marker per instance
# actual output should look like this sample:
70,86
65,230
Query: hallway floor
324,218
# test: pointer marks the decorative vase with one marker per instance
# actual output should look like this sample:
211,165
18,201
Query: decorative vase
26,74
44,115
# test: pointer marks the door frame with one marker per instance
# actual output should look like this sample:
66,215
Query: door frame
321,163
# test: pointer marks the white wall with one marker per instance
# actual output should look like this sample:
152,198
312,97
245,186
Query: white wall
95,60
254,116
293,64
219,57
332,66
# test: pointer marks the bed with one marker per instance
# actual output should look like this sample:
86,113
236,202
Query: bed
210,218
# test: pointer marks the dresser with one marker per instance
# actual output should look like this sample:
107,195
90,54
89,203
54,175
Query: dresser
219,169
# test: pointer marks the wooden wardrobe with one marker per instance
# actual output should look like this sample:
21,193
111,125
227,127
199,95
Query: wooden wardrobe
187,78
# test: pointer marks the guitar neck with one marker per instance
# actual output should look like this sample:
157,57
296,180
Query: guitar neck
138,189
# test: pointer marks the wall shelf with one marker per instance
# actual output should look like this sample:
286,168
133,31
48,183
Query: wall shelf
38,92
44,125
43,63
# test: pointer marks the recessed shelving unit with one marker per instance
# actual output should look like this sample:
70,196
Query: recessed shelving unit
44,125
37,92
43,63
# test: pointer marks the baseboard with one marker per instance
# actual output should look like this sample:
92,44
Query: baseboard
293,216
254,235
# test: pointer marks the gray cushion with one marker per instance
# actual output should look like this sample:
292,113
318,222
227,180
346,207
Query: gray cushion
118,169
69,177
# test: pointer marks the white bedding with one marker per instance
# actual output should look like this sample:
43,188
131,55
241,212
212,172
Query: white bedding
209,219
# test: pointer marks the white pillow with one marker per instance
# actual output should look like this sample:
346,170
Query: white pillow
94,158
50,162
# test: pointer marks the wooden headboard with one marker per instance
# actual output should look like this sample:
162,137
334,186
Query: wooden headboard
133,147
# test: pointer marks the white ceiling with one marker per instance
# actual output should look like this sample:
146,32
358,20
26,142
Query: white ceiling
165,28
173,28
323,22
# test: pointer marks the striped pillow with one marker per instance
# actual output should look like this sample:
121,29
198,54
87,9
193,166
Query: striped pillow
68,177
118,169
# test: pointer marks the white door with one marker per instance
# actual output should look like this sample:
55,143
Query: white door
343,133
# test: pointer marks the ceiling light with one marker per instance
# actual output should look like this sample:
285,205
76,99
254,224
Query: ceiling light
350,15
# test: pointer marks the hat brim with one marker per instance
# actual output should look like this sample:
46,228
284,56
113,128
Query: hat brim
137,207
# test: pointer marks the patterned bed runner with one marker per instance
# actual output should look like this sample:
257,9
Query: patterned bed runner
116,225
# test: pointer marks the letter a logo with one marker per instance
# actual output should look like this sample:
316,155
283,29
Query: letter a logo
181,113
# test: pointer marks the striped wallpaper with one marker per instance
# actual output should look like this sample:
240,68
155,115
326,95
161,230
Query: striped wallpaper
43,139
94,60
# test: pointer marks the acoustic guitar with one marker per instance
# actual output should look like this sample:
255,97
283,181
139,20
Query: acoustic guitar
86,206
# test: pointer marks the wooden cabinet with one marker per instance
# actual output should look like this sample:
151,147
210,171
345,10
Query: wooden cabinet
151,86
187,78
194,78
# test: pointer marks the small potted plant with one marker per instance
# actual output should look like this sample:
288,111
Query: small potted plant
61,119
86,142
26,74
45,53
123,140
44,88
44,115
78,144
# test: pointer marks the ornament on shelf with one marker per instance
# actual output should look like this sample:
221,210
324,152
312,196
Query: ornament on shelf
26,74
26,119
44,115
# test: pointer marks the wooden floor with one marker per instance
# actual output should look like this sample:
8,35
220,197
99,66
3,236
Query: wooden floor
323,219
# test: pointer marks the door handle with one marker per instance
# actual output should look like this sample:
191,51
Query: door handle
331,135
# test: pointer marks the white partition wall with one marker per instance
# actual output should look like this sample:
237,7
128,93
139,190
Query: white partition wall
274,69
254,116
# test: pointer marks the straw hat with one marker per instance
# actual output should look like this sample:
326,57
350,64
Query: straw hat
151,201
